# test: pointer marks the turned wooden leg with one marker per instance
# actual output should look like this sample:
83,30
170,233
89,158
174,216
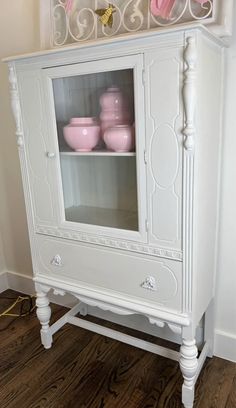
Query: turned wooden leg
44,313
188,366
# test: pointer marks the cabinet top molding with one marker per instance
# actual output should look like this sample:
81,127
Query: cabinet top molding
138,39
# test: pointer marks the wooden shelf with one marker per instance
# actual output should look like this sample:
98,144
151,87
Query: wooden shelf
98,153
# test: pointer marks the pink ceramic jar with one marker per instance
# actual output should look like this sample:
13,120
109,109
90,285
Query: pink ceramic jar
120,138
90,120
82,134
112,100
114,109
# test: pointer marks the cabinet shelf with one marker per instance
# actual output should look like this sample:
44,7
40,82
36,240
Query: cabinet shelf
99,153
103,216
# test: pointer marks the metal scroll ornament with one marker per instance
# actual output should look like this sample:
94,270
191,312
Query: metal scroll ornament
77,20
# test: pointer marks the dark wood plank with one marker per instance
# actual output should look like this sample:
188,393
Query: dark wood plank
85,370
217,375
231,400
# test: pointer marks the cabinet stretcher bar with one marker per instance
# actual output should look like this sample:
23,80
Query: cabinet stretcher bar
70,317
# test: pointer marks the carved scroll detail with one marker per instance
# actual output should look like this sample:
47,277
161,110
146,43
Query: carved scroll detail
15,105
112,243
189,93
59,292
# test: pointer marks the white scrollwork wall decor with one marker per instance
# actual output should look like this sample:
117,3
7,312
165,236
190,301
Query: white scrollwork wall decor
59,292
76,20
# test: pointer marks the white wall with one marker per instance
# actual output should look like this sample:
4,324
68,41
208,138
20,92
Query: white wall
19,33
20,30
2,257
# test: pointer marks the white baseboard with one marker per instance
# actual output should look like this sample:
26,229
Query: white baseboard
3,281
225,343
20,283
24,283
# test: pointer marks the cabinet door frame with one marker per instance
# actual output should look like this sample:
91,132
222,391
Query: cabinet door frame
134,62
164,140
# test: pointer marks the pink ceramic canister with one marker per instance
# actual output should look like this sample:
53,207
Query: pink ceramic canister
162,8
120,138
114,110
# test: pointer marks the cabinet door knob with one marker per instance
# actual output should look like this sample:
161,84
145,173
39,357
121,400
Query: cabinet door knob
50,155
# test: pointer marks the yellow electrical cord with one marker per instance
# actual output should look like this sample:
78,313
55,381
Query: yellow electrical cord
20,299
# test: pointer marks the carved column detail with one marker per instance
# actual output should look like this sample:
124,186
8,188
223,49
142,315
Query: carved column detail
189,97
188,366
44,314
15,104
189,92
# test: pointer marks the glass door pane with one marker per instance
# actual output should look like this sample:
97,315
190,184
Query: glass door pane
96,136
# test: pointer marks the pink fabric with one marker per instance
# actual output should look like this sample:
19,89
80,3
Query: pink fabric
201,1
68,5
162,8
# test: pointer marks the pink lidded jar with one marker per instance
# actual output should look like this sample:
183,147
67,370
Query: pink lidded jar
90,120
114,109
112,100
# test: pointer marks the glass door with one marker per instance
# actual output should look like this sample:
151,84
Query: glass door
96,108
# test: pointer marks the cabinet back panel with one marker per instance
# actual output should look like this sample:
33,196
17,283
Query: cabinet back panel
106,182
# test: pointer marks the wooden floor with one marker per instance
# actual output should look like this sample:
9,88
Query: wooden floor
85,370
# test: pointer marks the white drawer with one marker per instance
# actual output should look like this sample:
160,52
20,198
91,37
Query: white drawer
99,268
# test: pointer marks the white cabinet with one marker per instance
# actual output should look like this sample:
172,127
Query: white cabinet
132,232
